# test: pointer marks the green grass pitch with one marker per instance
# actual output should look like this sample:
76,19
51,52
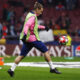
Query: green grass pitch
38,73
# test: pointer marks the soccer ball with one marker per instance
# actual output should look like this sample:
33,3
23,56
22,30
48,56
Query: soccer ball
63,40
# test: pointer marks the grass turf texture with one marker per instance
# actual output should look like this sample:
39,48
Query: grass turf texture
41,59
37,73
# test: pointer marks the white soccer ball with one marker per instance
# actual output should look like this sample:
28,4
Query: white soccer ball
63,39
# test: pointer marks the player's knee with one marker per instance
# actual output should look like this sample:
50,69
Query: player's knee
46,52
18,59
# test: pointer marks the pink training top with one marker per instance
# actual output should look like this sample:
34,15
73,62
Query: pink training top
30,25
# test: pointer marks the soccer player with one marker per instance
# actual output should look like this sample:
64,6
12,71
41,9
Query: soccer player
30,38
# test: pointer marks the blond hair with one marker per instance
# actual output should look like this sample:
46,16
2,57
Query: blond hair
38,5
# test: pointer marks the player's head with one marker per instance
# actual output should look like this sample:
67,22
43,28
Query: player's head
38,8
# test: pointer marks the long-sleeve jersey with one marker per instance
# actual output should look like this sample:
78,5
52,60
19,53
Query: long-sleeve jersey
30,24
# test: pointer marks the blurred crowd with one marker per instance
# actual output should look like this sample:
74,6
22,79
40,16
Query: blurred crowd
11,26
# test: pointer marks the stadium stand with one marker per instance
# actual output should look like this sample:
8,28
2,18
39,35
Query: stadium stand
49,13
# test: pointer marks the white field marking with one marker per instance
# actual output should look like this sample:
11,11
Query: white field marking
44,64
0,67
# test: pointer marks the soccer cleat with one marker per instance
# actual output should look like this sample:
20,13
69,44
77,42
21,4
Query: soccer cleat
11,73
55,71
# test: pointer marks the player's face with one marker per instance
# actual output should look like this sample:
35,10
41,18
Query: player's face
39,11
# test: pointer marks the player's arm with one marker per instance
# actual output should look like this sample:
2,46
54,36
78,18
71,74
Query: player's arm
30,22
43,27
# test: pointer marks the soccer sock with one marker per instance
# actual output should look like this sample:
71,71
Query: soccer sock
13,67
51,65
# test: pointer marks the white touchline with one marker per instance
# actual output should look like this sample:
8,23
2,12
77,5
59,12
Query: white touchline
44,64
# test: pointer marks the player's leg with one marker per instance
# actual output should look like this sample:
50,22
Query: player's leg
16,62
13,67
41,46
25,49
48,59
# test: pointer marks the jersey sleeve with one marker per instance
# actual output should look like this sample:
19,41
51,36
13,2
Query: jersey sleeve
30,21
41,27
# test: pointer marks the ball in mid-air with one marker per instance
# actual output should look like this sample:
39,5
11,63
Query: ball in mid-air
63,40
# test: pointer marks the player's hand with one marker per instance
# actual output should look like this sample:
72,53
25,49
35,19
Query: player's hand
24,38
46,28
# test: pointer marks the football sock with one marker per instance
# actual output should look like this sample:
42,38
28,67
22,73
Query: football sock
13,67
51,65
